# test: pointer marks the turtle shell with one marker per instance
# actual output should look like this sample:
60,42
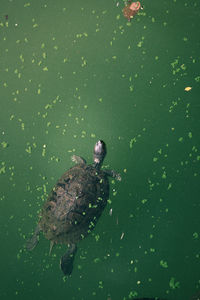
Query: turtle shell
75,204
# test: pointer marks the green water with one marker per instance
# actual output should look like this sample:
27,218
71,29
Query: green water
72,72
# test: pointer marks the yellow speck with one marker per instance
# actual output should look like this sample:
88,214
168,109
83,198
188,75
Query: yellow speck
188,88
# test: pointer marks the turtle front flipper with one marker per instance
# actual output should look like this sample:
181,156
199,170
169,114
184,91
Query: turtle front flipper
67,260
78,159
33,241
113,174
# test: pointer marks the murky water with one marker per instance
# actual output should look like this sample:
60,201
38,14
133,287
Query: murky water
71,73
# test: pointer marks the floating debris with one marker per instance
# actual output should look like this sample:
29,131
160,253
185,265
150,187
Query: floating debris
131,10
188,88
4,144
122,235
174,285
163,264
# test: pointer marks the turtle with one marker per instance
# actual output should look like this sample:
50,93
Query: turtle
74,205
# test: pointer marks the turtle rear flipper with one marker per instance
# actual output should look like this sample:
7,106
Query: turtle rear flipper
33,241
67,260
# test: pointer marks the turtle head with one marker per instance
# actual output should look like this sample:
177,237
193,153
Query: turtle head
99,153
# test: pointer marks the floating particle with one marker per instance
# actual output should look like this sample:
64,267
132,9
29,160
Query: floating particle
197,79
163,264
188,88
173,285
28,149
144,201
122,235
169,186
44,150
195,235
152,250
21,58
97,237
180,139
4,144
114,193
110,212
132,141
3,168
140,44
131,88
132,293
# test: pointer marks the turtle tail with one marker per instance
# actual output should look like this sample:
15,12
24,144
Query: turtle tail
67,260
